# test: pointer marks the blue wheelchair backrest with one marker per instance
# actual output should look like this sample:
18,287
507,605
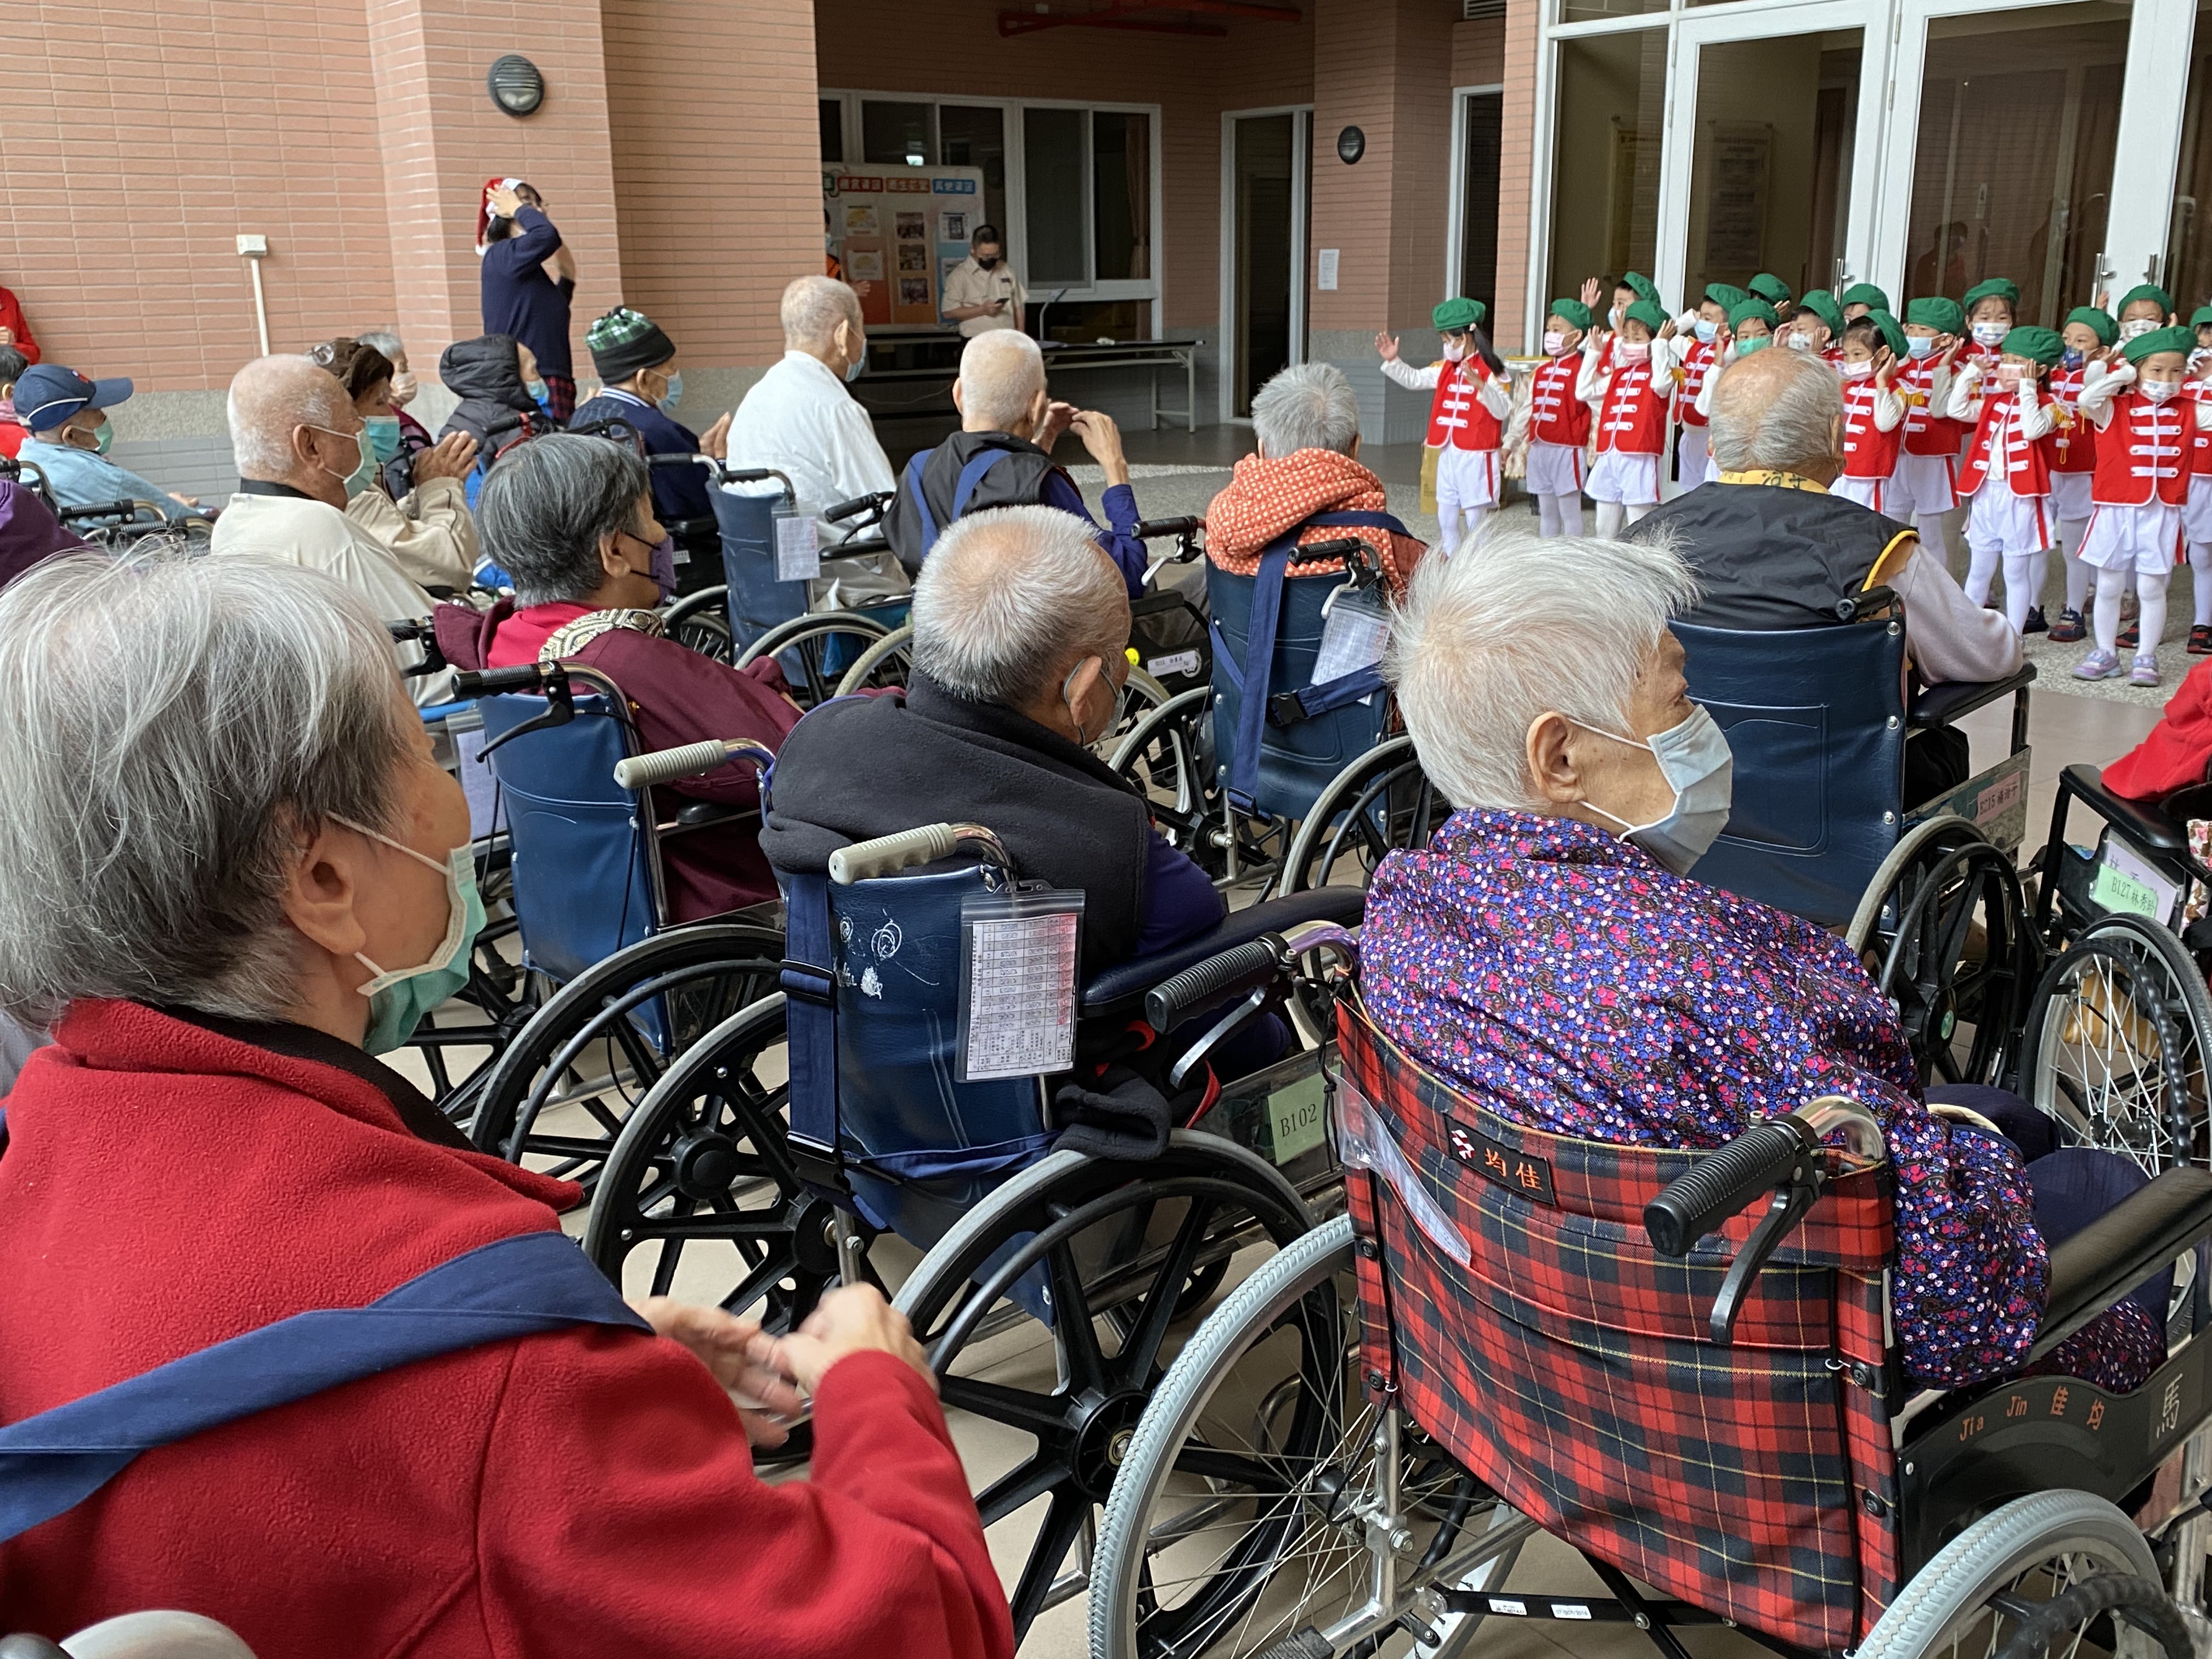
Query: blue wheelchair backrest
923,1147
756,600
1280,770
1816,717
583,872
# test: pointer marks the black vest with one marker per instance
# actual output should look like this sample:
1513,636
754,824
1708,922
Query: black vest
1767,557
1016,481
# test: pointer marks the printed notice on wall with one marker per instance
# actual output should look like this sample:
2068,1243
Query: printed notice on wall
1325,271
1017,958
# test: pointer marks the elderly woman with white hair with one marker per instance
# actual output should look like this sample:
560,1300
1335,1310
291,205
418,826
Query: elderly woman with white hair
235,874
1550,953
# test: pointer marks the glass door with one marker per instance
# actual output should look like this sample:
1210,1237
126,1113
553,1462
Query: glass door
1263,250
1761,172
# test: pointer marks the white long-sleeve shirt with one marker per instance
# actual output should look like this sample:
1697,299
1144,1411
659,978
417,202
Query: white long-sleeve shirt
2096,398
1495,392
1888,407
2036,418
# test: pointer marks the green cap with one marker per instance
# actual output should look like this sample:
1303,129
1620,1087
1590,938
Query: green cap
1893,335
1571,310
2150,291
2098,322
624,341
2178,338
1997,288
1727,296
1458,313
1944,316
1649,313
1866,294
1769,288
2200,320
1753,309
2038,345
1641,286
1822,304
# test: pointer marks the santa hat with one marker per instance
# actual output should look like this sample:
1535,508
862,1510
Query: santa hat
484,206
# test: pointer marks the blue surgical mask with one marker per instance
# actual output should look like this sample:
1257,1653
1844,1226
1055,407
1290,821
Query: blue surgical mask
384,436
400,997
1695,760
852,369
1917,346
1706,330
2070,358
674,395
536,391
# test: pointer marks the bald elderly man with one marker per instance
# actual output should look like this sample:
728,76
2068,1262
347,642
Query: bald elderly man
298,440
1002,457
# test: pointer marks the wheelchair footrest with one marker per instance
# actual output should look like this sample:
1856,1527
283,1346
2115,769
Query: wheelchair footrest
1308,1643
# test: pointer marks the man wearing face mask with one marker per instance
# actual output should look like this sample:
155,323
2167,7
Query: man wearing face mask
981,293
641,387
299,442
1549,954
570,518
66,415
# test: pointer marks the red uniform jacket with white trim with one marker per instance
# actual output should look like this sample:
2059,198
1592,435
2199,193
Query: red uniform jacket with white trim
2144,451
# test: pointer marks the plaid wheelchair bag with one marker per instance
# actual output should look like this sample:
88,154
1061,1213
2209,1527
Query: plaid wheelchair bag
1510,1299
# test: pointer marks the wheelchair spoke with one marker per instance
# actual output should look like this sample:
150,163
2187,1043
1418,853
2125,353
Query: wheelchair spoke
664,1269
1252,1473
1133,1366
1022,1485
1078,1338
1042,1415
759,1284
1063,1524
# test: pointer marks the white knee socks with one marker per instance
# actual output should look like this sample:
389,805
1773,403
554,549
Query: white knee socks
2080,577
2020,587
1982,572
2200,579
1610,518
1641,510
2150,590
1935,536
2111,584
1559,515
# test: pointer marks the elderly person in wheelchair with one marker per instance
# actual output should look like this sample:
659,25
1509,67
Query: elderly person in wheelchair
236,874
571,519
1550,952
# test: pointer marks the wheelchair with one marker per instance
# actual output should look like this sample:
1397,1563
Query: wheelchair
163,1635
1300,788
1049,1280
1510,1333
610,991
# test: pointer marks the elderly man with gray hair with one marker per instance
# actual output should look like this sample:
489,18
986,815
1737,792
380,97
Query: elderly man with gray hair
800,419
1002,457
1020,629
1772,549
298,440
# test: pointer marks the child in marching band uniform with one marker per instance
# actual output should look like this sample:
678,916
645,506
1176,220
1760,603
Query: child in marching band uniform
1466,416
2143,308
1772,288
1860,298
1559,422
1925,487
1629,381
1818,326
2007,476
2146,423
1750,327
1989,306
1698,335
1873,412
2197,511
2090,334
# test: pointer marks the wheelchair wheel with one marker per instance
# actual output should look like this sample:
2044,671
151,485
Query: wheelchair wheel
1382,803
1900,876
701,622
886,662
817,644
1231,1530
2116,1044
1169,758
459,1044
558,1094
1121,1243
2021,1580
1953,953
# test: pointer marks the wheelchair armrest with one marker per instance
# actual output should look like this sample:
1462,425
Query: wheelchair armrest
2146,826
1120,988
1944,705
2134,1239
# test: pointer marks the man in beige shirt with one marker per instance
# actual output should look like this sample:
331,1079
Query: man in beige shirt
982,293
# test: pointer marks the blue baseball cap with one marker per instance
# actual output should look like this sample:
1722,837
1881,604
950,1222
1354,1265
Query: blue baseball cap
49,394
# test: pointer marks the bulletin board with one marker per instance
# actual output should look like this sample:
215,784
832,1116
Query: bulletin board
904,229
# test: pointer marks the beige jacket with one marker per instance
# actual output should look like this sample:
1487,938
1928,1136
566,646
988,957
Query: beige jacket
431,534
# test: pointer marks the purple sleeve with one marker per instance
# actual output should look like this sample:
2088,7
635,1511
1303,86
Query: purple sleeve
1180,900
1121,541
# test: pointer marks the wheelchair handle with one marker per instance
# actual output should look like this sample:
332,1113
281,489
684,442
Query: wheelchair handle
1242,967
1337,547
1872,602
857,505
886,855
1152,529
687,761
1723,1182
490,682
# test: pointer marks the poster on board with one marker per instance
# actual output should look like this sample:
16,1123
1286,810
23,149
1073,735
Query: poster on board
900,231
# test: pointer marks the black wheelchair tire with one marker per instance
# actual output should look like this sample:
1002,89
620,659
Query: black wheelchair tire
1342,819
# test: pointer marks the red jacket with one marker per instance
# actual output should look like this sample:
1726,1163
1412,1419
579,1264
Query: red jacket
2177,752
586,1491
11,318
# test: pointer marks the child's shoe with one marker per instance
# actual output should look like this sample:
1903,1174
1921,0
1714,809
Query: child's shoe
2132,635
2200,641
2144,671
2035,624
2099,665
2070,626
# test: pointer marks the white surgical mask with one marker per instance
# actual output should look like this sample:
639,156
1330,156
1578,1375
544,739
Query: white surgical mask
2140,326
1917,346
362,454
1633,351
1796,341
403,386
1554,345
1695,761
2160,391
1455,351
1857,371
1706,330
1989,334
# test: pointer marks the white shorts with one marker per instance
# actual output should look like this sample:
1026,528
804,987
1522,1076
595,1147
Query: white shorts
1466,478
1867,492
2197,511
1691,456
2070,495
1555,468
1922,483
2010,523
2145,539
1619,476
